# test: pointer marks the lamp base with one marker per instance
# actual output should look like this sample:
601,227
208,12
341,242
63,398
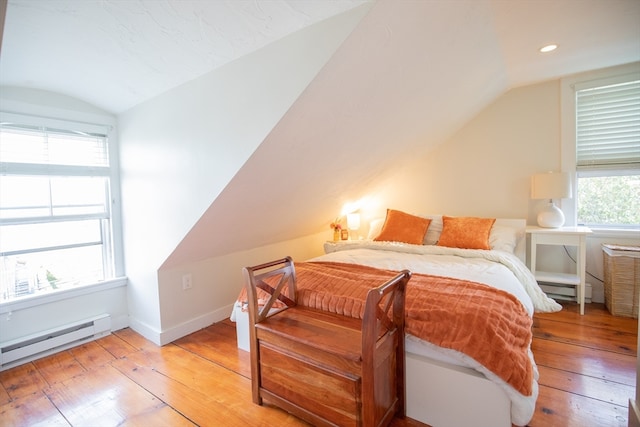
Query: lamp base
551,217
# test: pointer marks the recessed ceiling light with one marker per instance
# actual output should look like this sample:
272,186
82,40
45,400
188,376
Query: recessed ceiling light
548,48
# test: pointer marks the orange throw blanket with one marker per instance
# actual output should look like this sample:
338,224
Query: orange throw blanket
489,325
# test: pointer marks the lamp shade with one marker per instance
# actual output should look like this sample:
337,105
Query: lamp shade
551,185
353,221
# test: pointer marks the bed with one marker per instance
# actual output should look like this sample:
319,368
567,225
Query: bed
444,385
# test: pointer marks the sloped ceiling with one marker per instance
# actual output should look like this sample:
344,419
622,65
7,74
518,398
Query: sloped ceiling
409,76
115,54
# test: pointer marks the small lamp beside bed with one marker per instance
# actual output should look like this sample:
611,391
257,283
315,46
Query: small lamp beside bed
551,185
353,224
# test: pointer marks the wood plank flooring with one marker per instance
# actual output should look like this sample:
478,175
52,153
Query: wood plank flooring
587,367
587,375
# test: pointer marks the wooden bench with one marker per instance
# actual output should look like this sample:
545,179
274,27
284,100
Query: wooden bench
328,369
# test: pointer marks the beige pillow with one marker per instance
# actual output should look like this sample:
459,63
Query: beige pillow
403,227
466,232
435,228
375,227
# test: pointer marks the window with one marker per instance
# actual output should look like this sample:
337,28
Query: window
55,210
608,152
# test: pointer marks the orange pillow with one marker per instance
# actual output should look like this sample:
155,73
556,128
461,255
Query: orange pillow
466,232
402,227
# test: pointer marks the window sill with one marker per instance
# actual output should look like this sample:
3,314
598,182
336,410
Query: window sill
35,300
615,233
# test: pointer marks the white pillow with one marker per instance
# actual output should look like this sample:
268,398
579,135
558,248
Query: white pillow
375,227
503,238
434,230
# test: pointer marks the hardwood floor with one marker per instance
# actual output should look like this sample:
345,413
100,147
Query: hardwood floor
587,367
587,375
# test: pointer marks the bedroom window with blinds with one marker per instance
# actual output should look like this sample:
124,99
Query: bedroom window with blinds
55,216
608,154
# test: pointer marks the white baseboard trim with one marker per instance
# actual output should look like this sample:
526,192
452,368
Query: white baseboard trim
145,330
166,336
119,322
190,326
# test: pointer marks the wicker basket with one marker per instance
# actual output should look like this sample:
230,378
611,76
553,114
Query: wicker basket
622,279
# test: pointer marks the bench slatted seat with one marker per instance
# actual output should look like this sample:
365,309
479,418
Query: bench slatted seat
326,368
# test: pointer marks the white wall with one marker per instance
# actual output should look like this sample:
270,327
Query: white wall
217,282
179,151
19,319
485,169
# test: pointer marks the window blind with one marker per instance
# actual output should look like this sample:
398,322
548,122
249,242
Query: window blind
608,127
46,146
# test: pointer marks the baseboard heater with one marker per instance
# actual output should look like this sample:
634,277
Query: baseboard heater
26,349
560,292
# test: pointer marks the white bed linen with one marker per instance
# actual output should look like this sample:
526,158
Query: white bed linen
494,268
499,269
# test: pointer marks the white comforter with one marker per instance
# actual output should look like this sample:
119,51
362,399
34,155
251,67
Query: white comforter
499,269
494,268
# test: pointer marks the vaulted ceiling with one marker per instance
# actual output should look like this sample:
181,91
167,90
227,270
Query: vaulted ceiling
115,54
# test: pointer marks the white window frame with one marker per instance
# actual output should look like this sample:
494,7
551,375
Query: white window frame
116,265
568,128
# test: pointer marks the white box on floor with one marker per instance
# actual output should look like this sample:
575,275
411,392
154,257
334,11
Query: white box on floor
242,327
241,318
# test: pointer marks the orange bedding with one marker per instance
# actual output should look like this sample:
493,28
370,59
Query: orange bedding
489,325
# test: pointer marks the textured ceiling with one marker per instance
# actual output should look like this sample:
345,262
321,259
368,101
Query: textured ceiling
115,54
591,34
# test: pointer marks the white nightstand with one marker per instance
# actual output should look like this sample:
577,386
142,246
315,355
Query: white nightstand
565,236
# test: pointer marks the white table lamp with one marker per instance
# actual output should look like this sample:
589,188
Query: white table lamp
353,224
551,185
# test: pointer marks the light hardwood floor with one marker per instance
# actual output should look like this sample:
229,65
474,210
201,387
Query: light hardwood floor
586,363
